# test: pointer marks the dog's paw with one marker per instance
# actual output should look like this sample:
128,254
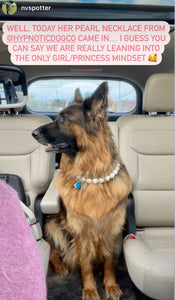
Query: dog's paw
90,294
61,270
113,292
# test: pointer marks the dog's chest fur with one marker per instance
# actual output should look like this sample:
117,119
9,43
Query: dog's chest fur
93,201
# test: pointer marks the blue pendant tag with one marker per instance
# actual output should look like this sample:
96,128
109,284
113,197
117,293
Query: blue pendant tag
77,185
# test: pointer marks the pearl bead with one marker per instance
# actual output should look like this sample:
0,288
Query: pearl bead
112,175
101,180
83,179
115,172
88,180
107,178
95,180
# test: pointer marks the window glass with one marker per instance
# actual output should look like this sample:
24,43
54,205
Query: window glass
54,94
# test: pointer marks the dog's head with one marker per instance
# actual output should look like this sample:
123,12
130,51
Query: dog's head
86,115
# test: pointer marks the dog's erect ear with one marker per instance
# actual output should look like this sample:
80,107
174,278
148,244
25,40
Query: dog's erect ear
78,98
98,102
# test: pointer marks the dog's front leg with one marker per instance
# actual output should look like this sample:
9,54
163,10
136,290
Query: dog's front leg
111,287
89,285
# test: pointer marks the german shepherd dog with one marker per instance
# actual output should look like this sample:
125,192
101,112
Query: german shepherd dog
93,187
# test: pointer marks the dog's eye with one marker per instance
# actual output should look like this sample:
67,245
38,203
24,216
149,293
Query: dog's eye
62,119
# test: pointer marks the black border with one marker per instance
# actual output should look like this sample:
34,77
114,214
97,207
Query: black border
92,11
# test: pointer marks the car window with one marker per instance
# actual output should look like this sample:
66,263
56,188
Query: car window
54,94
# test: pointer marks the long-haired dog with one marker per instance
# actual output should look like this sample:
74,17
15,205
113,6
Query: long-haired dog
93,186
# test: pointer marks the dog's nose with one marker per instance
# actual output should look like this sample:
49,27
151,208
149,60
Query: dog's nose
36,134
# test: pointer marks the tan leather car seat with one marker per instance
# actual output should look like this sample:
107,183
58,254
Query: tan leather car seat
21,155
146,146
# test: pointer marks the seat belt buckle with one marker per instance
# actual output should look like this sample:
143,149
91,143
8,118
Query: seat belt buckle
36,229
132,236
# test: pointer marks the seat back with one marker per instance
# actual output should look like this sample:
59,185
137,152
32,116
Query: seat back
146,146
21,155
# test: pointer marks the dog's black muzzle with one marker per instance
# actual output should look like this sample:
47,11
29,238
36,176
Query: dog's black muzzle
55,140
36,134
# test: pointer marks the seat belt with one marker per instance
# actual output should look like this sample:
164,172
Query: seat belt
130,218
34,225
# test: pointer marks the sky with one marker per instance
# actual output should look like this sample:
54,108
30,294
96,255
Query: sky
149,2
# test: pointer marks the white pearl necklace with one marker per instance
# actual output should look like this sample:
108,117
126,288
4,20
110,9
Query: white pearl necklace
80,180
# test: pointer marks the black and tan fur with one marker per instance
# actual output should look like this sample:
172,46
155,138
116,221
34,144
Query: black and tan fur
91,219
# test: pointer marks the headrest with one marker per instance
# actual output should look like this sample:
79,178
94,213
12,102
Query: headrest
159,93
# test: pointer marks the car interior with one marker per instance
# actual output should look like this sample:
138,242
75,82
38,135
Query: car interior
141,117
